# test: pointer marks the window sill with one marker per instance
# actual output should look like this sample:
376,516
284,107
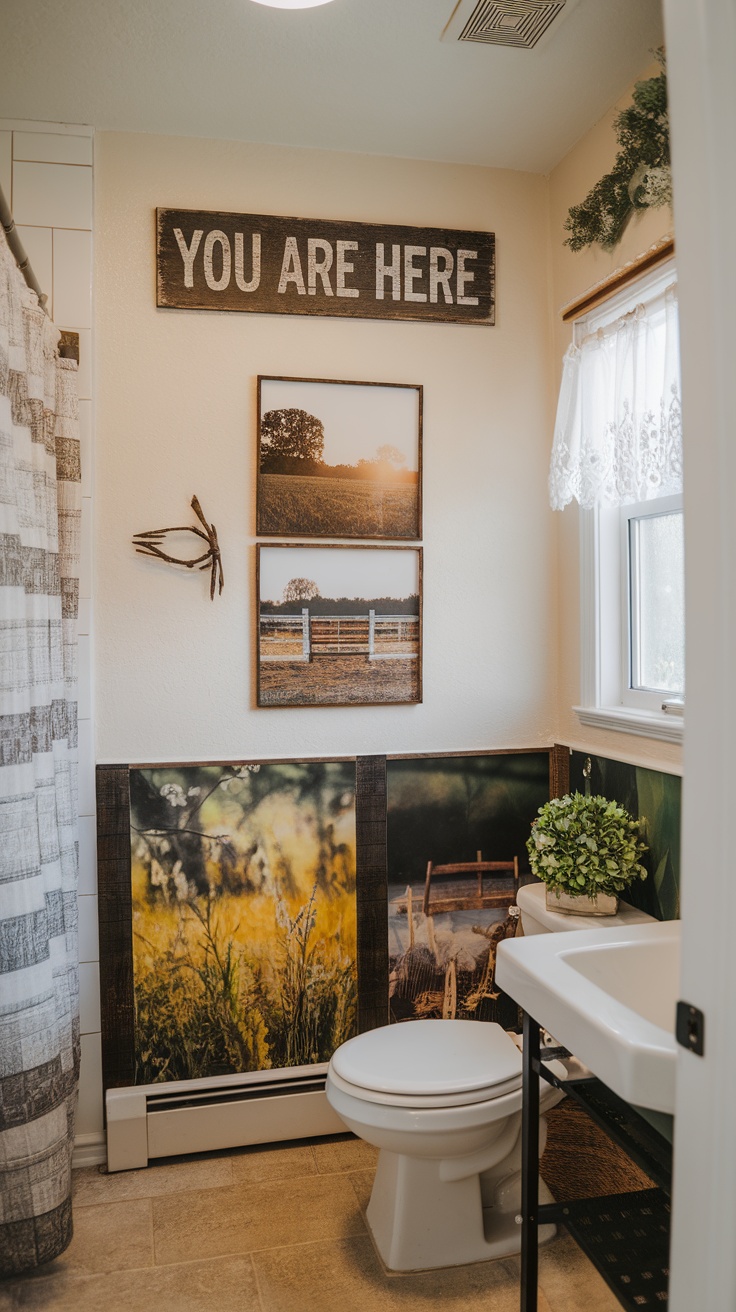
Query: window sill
646,724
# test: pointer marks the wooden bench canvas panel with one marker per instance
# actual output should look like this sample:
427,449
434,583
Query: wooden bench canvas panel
457,825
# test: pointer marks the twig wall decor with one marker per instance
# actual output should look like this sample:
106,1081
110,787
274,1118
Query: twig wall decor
147,544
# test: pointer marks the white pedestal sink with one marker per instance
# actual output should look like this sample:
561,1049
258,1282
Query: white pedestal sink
609,995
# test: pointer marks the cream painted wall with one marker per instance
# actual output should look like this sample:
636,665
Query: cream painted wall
176,415
572,273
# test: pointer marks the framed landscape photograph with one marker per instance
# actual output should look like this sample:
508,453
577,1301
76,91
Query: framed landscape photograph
339,459
339,626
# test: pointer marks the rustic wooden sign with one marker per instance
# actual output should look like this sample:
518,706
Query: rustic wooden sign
266,264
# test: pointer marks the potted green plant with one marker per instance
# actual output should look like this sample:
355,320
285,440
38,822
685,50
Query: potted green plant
587,851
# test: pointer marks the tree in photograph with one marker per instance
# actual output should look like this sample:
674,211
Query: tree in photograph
387,466
390,455
292,433
300,590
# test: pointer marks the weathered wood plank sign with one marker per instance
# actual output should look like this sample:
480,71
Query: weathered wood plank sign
266,264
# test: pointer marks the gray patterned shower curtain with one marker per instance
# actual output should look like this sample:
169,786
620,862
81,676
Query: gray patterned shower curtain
39,591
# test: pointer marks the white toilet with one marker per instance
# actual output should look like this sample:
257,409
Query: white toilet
441,1099
537,918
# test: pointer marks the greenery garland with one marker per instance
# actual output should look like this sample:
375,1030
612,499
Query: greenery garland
641,175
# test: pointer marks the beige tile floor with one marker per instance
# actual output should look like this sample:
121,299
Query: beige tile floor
268,1229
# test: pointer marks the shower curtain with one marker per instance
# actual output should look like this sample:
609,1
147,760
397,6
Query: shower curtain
39,590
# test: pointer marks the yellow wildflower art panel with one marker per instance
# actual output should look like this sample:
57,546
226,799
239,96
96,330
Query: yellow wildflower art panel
244,927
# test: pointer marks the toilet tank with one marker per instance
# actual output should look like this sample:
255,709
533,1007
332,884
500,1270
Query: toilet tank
537,919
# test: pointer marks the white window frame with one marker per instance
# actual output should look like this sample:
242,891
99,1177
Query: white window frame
643,699
607,701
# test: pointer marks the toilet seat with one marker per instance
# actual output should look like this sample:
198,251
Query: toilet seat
428,1063
425,1102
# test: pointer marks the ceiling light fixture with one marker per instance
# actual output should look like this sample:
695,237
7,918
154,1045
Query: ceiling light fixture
293,4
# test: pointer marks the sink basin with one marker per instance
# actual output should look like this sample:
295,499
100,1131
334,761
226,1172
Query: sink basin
609,995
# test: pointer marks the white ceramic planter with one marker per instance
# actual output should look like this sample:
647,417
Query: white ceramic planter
605,904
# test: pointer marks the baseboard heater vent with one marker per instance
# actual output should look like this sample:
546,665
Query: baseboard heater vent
227,1111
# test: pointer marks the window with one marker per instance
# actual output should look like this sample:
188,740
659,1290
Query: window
654,599
617,451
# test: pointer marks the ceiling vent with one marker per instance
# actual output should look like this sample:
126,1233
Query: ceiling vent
517,23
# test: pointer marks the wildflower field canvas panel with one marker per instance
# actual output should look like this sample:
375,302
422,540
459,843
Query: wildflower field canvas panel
243,916
338,626
339,459
447,812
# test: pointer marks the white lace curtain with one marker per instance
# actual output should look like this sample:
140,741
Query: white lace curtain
618,434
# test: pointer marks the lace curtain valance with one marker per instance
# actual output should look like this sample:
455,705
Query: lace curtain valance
618,433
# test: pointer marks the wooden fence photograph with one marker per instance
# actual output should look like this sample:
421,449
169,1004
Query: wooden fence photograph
338,625
339,459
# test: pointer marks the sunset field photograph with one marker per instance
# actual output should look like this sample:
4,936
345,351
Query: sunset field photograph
339,459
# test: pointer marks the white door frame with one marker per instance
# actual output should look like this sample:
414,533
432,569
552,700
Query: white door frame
701,55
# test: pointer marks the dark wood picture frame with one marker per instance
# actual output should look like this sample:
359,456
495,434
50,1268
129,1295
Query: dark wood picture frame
375,489
358,653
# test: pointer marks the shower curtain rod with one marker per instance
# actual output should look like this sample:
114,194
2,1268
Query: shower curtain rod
18,251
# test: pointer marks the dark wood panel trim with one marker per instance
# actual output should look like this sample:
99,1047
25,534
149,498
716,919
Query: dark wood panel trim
116,925
372,891
559,770
469,751
225,765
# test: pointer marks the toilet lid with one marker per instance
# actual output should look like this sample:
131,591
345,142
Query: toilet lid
430,1059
